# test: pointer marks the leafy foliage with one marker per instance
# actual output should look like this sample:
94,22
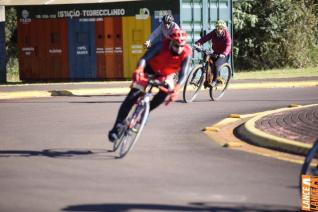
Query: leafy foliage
11,38
275,33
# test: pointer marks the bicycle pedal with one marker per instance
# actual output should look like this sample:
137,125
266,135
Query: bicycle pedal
220,81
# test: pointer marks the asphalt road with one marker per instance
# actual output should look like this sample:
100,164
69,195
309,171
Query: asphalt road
54,156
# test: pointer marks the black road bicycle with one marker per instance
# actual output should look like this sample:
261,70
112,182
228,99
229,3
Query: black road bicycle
202,75
136,119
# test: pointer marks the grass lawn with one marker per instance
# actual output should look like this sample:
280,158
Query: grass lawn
277,73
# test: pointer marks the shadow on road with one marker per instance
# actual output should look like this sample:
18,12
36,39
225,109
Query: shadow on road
95,102
198,206
60,153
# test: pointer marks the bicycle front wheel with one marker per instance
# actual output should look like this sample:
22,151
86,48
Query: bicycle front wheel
193,84
136,124
217,91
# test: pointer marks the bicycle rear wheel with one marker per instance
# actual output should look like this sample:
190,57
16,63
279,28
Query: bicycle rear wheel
135,126
217,91
193,84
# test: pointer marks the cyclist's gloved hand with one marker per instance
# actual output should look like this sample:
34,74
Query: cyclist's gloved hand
147,43
197,46
221,55
174,95
138,74
214,55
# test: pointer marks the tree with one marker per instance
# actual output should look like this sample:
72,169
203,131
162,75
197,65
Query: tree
11,37
275,33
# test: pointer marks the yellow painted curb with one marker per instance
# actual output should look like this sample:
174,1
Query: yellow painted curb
234,116
233,144
72,92
279,152
285,84
24,94
213,129
263,139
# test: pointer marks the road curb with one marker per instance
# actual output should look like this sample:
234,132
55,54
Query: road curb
257,137
125,89
69,92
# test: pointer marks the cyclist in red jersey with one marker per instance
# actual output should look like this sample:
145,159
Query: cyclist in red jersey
163,60
221,44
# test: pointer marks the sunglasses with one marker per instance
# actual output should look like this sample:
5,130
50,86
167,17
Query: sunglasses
178,45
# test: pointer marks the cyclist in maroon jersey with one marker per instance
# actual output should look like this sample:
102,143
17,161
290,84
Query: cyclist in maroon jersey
221,45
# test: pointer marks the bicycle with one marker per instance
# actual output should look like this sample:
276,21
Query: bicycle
136,119
310,165
202,74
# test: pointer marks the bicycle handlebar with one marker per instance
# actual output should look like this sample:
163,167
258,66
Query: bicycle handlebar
159,84
200,49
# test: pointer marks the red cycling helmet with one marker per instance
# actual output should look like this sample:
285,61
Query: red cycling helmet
179,36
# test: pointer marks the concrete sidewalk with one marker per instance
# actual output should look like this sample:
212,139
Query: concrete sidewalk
122,87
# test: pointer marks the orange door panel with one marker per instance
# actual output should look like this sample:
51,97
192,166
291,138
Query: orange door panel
100,49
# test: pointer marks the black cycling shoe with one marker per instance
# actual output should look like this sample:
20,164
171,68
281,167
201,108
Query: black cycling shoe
116,132
112,136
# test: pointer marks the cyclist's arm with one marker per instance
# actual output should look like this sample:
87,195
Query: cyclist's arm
228,44
155,34
185,65
205,38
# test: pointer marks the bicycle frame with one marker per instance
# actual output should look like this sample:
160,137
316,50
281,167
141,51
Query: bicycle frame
139,116
142,100
207,63
205,74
